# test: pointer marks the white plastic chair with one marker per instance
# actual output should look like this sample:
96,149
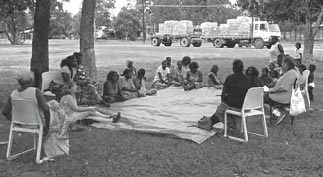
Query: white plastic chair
47,78
252,106
304,89
26,118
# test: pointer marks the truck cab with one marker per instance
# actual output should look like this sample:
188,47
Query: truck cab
262,33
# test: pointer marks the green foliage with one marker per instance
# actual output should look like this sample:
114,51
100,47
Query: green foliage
15,18
102,12
127,23
60,21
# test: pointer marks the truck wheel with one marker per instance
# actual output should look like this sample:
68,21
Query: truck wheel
155,42
197,43
168,43
231,44
259,43
185,42
218,43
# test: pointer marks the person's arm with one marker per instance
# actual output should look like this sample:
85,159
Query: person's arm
45,108
72,104
161,78
66,77
200,76
224,93
6,111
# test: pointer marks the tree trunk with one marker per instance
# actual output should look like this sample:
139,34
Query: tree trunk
310,33
87,37
39,59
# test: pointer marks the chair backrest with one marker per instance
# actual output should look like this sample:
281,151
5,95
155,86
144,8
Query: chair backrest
47,78
25,112
254,98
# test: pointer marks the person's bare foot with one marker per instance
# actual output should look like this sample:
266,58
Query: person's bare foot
116,118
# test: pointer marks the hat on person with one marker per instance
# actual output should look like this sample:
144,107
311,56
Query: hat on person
25,75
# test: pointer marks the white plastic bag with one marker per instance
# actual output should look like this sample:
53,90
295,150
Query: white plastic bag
297,104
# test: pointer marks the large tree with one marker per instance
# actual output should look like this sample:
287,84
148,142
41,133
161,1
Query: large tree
61,21
309,12
39,60
87,37
102,12
127,23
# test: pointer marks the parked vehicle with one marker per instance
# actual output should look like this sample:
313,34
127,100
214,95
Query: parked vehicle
182,31
244,31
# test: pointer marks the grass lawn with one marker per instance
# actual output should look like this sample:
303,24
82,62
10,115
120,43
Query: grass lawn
289,151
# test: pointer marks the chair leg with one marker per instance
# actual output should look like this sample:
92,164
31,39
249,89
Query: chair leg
9,144
292,120
35,141
264,125
245,128
225,125
40,138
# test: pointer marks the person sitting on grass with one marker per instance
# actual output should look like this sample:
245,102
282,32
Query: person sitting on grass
171,67
140,83
132,68
212,78
75,113
252,74
127,87
111,90
234,90
194,78
179,75
162,77
264,79
282,91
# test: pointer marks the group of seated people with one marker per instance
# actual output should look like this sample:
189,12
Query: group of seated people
71,83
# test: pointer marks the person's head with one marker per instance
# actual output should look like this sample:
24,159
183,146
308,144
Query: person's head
193,67
127,73
298,45
129,63
237,66
69,61
25,78
272,66
264,71
113,76
79,57
274,74
301,68
274,39
164,64
141,73
312,67
252,71
186,60
169,61
215,69
288,63
179,65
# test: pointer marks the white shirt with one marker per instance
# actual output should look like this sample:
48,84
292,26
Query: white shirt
298,53
163,73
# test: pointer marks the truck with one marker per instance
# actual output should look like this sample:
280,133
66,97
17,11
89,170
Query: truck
182,31
244,31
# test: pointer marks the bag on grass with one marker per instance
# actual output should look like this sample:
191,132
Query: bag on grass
297,104
205,123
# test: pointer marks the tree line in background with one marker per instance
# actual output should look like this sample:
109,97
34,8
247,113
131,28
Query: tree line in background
48,19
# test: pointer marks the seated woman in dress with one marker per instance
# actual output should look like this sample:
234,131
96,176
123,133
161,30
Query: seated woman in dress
74,112
194,78
111,90
212,78
140,84
264,79
162,77
127,87
282,91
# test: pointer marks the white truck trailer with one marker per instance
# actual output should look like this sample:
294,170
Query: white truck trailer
182,31
243,31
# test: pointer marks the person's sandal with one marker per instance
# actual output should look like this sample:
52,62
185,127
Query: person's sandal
116,118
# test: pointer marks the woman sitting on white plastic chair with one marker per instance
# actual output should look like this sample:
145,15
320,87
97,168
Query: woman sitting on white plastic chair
26,91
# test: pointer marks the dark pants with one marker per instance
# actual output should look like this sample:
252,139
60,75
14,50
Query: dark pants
310,93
